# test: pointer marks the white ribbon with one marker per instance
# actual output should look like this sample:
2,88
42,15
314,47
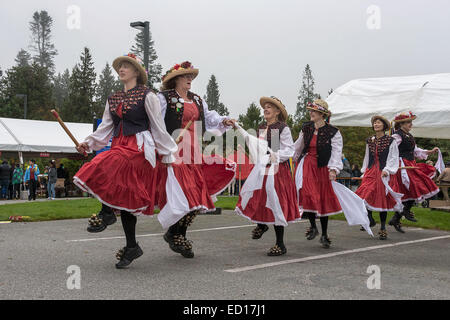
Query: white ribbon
273,202
353,206
177,204
299,175
440,166
405,177
397,196
144,138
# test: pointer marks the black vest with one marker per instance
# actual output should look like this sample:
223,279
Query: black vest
175,108
406,148
134,117
381,146
279,126
324,136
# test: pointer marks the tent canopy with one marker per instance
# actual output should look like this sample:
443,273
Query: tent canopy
40,136
427,96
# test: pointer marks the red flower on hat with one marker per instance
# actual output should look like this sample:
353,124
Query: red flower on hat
186,65
132,55
176,67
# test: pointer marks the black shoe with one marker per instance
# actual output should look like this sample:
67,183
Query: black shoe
311,233
382,234
395,222
259,231
127,255
99,222
325,241
169,238
409,216
277,251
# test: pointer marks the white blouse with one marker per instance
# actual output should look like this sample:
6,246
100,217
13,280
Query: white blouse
335,162
164,143
213,121
286,150
392,161
418,153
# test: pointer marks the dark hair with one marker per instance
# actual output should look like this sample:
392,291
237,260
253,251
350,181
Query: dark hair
17,165
171,84
32,160
5,162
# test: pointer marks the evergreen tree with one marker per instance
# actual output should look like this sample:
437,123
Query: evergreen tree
23,58
61,88
306,95
154,68
80,103
252,118
330,91
212,97
107,85
32,80
44,50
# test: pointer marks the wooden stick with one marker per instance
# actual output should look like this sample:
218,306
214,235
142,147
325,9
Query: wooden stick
408,168
186,128
63,125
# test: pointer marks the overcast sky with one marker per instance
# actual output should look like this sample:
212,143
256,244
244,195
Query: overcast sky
254,47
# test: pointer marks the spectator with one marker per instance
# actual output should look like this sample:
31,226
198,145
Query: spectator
62,173
4,178
31,176
10,186
346,172
52,177
17,180
444,178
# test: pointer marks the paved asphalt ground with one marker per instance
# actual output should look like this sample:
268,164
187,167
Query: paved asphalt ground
34,258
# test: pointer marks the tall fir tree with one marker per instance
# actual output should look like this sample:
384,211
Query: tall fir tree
154,68
34,82
61,88
306,95
107,85
212,97
23,58
80,103
252,118
44,50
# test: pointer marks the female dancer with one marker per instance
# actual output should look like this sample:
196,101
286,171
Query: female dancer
410,180
124,178
319,150
189,192
275,202
380,161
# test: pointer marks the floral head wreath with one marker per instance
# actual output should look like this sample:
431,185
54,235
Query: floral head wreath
404,116
178,67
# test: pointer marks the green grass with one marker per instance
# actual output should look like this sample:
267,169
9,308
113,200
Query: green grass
83,208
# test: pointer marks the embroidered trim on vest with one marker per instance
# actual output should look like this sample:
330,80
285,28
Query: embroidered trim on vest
324,136
128,99
379,146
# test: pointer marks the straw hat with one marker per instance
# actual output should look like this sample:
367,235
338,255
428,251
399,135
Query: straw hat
382,119
136,62
276,102
179,70
404,116
319,105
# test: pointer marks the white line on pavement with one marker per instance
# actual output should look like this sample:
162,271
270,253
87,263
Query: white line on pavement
329,255
160,234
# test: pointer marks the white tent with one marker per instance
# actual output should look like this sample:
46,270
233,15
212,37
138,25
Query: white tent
427,96
40,136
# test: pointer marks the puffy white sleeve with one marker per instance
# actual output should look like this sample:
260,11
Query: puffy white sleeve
420,153
299,145
397,138
392,161
165,145
163,104
100,138
335,162
214,121
286,145
366,159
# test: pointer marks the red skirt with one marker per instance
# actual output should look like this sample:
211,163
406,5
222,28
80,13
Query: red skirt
430,171
218,173
421,187
192,182
373,191
121,178
256,210
317,194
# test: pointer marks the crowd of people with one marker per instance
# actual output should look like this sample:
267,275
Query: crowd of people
16,177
